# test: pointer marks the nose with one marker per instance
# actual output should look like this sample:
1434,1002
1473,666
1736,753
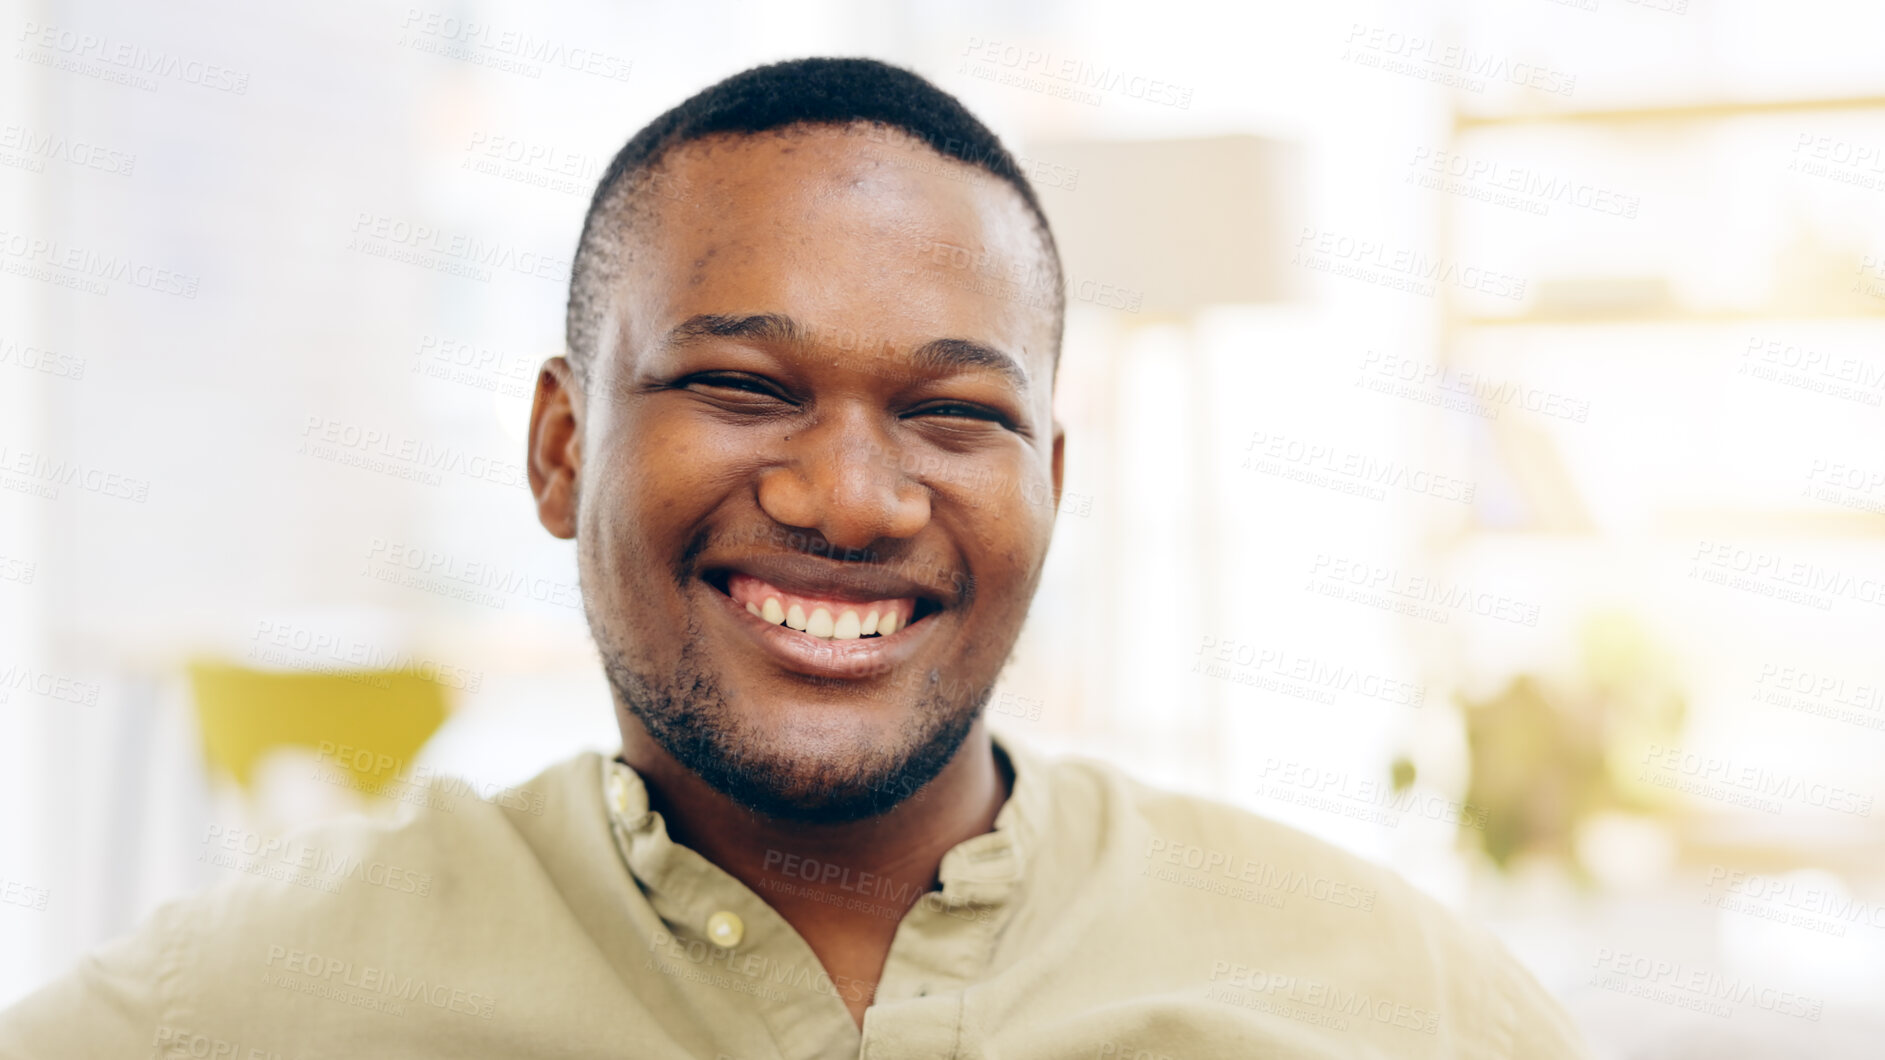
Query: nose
843,478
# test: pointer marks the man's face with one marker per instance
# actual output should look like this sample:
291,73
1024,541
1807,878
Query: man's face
822,406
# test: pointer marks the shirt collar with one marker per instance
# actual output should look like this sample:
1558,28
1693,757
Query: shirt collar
986,868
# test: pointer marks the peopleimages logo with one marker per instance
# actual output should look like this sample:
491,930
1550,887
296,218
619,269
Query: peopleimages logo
1462,389
453,253
181,1041
1774,575
509,50
537,165
374,985
1397,268
1744,783
26,896
1831,158
1809,691
871,887
293,861
479,367
14,569
1697,989
1528,190
1391,589
1371,799
38,359
474,580
1065,75
1792,901
1448,64
17,678
1834,375
344,442
84,268
1345,470
113,59
376,772
1208,863
1313,1001
25,471
299,646
758,974
1292,673
27,148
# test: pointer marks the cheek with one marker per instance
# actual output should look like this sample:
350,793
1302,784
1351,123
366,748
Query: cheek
1028,517
661,479
1010,535
653,465
639,497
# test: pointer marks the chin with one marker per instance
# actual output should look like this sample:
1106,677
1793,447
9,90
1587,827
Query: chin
820,760
781,749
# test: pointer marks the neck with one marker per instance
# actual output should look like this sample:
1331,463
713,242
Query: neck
843,887
905,844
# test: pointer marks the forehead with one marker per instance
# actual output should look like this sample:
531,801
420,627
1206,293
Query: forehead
852,230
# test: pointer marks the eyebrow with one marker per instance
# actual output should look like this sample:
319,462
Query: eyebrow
938,355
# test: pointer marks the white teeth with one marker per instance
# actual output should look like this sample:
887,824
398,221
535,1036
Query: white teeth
848,627
820,623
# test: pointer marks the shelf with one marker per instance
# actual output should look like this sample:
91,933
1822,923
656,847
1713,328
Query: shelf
1684,525
1677,319
1673,112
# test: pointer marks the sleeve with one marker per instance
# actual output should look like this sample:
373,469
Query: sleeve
112,1004
1519,1018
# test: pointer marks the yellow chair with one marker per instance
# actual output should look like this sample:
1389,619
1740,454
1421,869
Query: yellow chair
368,722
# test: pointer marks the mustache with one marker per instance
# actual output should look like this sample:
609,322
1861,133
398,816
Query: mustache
897,558
787,539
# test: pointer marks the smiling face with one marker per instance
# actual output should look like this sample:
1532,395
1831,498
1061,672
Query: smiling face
812,470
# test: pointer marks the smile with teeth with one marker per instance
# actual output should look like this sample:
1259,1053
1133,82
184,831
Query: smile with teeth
827,619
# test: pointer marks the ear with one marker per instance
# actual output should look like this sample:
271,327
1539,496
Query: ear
1060,450
555,449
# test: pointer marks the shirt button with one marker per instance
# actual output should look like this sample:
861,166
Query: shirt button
725,930
618,792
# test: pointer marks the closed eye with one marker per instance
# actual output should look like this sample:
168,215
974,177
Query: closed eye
734,381
962,410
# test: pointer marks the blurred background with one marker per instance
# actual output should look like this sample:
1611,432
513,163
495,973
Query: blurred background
1474,456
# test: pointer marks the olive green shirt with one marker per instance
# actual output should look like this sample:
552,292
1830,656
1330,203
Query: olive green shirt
1100,918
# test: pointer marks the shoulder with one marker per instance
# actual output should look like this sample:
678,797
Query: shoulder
1216,840
297,915
452,842
1279,904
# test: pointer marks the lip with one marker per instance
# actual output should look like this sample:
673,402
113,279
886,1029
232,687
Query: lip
809,656
848,582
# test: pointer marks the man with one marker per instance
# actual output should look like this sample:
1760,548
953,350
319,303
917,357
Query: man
803,439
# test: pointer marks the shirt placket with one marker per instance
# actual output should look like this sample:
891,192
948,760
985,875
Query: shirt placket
723,936
942,947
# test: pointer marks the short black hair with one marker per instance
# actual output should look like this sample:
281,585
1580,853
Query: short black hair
801,92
